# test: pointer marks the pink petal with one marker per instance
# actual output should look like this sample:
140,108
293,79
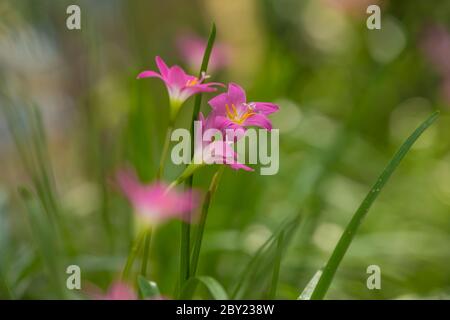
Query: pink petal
237,166
218,103
155,202
266,107
236,95
117,291
258,120
162,66
149,74
177,77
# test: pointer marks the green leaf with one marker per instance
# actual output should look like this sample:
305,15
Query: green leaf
276,268
309,289
201,226
185,227
351,229
148,289
258,268
214,287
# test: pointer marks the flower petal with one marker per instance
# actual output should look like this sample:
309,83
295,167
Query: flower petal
149,74
236,95
237,166
258,120
218,103
162,66
177,77
265,107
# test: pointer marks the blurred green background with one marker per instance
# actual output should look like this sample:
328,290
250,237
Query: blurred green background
348,97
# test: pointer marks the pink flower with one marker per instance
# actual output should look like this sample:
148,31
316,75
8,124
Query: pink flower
436,46
232,111
155,203
217,151
179,84
117,291
192,49
356,8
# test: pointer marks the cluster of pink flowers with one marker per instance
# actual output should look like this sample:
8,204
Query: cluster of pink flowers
157,202
230,110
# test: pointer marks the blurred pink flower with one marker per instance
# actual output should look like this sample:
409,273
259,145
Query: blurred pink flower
192,49
217,151
435,44
155,202
117,291
445,89
179,84
356,8
232,111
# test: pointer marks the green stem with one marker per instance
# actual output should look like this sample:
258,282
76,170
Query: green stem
164,153
184,252
133,253
201,226
351,229
145,255
276,268
185,227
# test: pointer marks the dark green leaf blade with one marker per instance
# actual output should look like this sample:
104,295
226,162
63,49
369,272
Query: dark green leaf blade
351,229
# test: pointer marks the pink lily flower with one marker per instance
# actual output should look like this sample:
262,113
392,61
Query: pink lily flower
179,84
221,150
117,291
435,44
232,111
192,48
156,203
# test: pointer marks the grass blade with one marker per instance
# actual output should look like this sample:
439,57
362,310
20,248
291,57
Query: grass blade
214,287
276,268
351,229
148,289
185,227
259,265
309,289
201,226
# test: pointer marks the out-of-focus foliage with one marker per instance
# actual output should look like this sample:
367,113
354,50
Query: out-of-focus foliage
348,97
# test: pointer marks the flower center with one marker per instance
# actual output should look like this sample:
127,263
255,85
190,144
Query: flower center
192,82
237,117
195,81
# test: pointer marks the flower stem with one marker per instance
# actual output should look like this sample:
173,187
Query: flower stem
185,227
165,150
276,268
201,226
145,255
184,253
133,253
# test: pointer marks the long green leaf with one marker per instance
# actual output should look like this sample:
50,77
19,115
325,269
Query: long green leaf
214,287
309,289
351,229
148,289
201,226
258,266
276,268
185,227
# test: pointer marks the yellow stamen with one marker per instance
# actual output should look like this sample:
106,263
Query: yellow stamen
192,82
235,117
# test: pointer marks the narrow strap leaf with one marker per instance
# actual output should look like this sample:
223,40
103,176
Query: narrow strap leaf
307,292
148,289
214,287
351,229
